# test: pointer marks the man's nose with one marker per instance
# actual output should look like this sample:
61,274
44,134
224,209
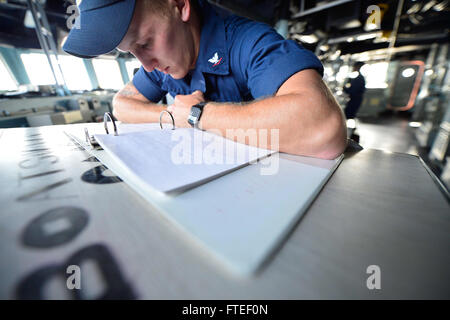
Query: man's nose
148,63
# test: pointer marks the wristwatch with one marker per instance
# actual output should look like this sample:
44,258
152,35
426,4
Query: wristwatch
196,113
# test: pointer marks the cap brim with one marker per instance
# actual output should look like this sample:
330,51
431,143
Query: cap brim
100,31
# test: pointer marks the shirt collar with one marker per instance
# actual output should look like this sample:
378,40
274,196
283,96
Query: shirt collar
213,52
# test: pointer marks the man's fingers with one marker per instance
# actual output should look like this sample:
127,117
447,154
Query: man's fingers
170,108
198,93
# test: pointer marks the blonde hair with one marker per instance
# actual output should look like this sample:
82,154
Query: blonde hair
157,6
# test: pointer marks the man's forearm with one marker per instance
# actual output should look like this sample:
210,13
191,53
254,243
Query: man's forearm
303,118
134,111
307,126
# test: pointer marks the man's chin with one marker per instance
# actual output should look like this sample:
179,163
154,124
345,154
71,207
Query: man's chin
180,72
177,75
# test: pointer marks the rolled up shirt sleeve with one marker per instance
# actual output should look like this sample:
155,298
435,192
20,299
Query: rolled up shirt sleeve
149,85
268,60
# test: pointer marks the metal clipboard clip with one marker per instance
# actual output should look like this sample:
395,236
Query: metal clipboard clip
91,139
108,116
171,117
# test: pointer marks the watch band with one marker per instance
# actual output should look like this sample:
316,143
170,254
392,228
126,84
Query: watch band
196,113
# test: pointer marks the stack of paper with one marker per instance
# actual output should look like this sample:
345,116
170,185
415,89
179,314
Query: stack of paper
176,160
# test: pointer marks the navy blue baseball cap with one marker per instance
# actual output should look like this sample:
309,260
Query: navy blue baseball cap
102,26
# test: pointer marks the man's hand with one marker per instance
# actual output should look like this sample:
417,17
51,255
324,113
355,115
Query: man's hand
132,107
181,107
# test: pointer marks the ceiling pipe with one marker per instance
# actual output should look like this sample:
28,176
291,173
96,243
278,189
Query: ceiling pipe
393,37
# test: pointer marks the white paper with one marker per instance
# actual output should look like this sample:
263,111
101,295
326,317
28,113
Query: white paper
174,160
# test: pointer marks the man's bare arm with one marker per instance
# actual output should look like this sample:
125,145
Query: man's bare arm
309,120
129,105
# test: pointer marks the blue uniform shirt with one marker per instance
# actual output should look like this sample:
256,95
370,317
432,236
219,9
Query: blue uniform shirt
356,92
238,60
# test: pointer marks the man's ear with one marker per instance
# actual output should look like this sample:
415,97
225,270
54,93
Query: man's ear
184,7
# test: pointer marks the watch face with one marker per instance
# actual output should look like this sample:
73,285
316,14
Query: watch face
195,112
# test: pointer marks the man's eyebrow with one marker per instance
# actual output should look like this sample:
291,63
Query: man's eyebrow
143,39
131,34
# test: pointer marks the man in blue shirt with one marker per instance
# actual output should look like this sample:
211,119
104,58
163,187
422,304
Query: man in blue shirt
240,74
355,88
